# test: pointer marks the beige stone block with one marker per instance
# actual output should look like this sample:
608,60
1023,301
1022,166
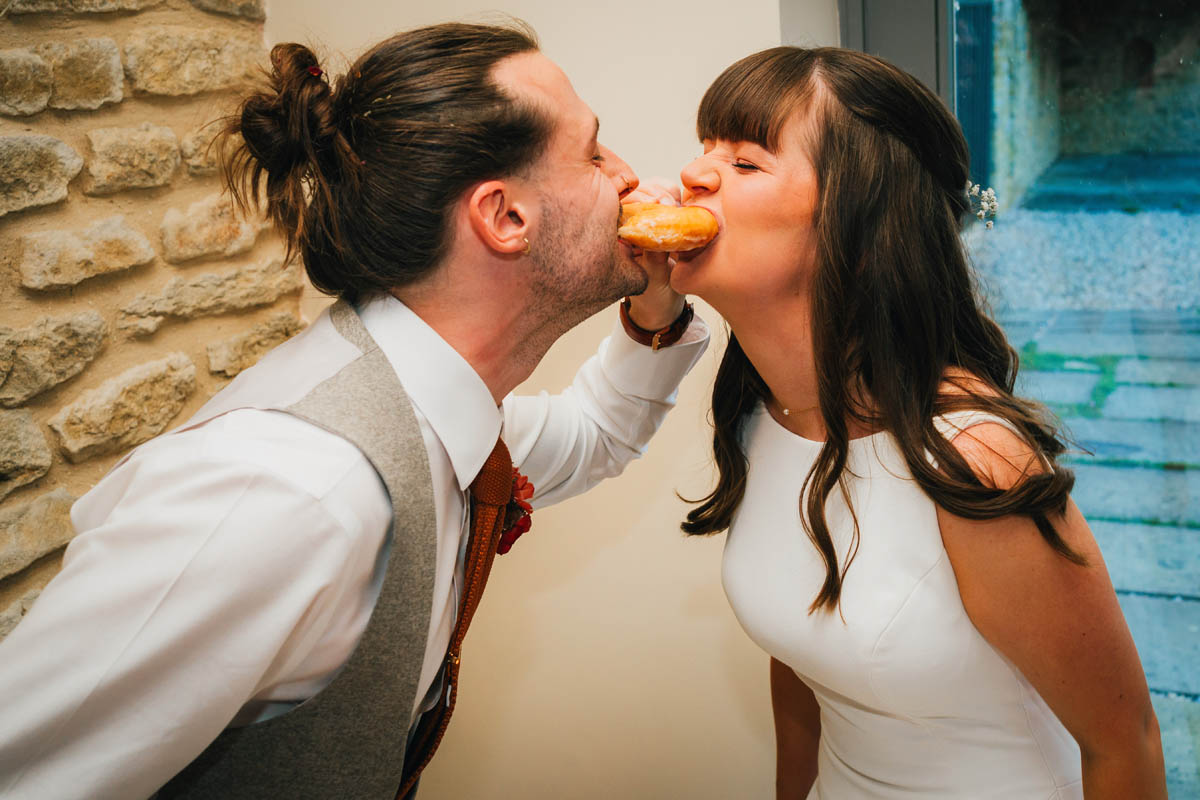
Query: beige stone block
210,227
25,82
34,171
34,530
185,61
199,154
212,293
16,611
244,350
126,410
54,259
252,9
8,347
137,327
24,454
49,352
79,6
131,158
87,73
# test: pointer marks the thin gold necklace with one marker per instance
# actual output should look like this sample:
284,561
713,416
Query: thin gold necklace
787,412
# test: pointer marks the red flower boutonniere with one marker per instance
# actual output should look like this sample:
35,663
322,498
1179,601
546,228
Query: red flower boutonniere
516,513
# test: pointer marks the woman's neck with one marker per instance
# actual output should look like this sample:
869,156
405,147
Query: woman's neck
778,342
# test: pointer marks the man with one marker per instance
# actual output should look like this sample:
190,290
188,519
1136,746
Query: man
271,598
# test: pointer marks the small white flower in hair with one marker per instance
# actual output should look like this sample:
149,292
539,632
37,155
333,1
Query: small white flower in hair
988,205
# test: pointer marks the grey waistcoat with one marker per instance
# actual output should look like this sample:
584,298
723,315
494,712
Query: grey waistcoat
348,741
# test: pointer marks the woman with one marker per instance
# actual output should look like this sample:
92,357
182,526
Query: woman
901,539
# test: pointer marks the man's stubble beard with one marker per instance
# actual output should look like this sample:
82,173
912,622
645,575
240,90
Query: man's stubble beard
579,272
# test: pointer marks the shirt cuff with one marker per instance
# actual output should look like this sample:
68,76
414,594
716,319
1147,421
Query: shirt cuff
639,371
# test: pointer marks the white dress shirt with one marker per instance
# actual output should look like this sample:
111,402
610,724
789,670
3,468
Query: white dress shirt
226,571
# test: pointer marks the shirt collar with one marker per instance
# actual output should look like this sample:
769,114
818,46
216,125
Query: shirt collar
447,390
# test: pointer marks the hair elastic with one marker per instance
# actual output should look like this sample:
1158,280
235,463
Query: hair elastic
315,71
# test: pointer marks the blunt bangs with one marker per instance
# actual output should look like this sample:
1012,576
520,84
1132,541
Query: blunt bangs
753,99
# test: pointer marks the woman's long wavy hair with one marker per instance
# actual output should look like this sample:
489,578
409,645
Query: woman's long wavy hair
894,307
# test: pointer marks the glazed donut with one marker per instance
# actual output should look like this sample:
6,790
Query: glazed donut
652,226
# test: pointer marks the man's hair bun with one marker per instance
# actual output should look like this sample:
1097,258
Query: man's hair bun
286,127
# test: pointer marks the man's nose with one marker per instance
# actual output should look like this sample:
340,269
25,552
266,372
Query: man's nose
698,177
620,173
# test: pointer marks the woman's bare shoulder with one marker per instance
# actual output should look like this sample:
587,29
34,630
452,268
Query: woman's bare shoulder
1000,457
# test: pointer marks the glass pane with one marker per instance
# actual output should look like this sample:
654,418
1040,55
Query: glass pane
1085,118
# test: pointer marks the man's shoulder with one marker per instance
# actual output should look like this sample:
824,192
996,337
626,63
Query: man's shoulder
286,374
247,479
249,444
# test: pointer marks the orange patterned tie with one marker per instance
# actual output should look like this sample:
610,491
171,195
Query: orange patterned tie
490,493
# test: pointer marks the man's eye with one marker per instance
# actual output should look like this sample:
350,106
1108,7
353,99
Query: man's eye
599,159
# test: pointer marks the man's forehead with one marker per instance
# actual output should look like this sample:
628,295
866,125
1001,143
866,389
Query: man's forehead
532,72
535,77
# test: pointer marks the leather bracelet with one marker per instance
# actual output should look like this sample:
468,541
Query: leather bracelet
661,338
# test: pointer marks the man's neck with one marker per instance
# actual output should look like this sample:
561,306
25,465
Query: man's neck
490,340
495,329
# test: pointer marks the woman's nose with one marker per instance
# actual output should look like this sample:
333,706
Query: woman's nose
697,178
620,173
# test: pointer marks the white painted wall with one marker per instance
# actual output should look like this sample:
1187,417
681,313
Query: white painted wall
604,661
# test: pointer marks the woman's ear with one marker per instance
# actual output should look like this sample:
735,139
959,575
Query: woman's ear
499,218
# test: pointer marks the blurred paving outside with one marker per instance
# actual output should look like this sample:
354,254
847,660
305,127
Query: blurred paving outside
1103,348
1084,116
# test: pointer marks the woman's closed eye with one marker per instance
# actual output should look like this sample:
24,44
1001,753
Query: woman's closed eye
744,166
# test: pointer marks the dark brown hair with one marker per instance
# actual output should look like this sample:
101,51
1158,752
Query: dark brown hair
894,304
359,177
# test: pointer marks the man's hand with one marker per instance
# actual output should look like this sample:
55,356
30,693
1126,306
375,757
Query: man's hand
659,305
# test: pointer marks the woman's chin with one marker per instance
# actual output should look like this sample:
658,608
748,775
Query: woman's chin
683,280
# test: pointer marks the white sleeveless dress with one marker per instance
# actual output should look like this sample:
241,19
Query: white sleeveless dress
914,701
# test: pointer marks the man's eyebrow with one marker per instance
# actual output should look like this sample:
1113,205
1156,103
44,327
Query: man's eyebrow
596,132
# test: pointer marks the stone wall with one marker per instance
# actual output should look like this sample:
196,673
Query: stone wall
1131,78
1025,85
130,290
